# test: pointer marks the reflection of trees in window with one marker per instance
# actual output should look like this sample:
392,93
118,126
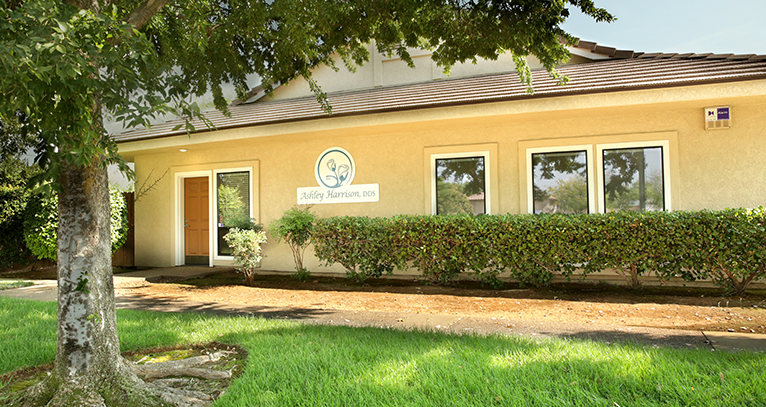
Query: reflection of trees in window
571,195
633,179
459,181
560,182
451,199
233,205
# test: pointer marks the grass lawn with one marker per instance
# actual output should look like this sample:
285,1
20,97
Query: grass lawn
291,364
8,284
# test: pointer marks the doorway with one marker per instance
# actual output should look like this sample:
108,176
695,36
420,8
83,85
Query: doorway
196,221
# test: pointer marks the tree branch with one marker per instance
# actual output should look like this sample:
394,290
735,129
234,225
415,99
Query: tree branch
145,11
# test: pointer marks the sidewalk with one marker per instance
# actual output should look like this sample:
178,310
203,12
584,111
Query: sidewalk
45,290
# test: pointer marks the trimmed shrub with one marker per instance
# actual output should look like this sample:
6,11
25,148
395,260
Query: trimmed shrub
360,244
633,244
723,246
441,247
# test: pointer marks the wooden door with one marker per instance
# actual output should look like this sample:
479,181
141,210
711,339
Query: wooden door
196,220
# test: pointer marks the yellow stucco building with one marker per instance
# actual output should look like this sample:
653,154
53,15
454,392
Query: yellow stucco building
629,131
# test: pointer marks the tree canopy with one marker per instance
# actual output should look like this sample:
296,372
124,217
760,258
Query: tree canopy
69,64
66,66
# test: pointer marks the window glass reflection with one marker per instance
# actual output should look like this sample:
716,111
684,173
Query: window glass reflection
233,195
560,182
633,179
460,186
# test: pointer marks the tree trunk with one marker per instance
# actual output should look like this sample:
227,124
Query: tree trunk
88,368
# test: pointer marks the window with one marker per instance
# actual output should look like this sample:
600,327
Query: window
634,176
633,179
624,177
560,182
460,183
232,205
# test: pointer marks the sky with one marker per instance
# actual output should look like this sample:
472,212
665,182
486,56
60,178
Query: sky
677,26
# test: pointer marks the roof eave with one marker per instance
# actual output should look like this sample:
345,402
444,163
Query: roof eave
533,96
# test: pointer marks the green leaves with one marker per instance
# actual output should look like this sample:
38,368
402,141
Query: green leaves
724,246
296,228
362,245
245,245
66,68
41,223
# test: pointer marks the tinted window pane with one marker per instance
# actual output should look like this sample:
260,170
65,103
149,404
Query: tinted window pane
560,182
233,194
633,179
460,186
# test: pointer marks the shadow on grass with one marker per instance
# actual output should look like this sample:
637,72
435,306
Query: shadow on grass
302,364
153,303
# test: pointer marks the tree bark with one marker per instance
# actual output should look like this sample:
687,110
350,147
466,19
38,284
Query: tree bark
88,370
145,11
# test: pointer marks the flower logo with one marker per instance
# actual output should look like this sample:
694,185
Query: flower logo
335,168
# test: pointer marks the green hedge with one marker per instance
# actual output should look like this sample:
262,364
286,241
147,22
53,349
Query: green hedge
361,245
728,247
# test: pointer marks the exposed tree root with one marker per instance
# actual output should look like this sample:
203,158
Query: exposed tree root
191,382
165,378
183,368
161,373
182,398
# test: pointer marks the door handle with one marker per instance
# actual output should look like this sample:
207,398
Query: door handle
186,223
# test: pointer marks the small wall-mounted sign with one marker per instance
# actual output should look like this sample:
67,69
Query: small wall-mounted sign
717,117
717,113
334,171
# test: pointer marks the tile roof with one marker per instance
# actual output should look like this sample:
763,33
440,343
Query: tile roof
477,197
629,71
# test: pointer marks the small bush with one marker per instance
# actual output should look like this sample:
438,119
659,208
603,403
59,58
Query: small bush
725,246
245,245
41,226
14,196
41,223
295,227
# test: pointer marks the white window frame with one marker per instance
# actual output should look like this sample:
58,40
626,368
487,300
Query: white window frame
664,144
179,218
588,148
214,205
469,154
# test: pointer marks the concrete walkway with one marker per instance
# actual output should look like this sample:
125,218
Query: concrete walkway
45,290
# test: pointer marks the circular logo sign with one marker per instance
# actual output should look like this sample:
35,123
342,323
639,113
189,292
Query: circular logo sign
335,168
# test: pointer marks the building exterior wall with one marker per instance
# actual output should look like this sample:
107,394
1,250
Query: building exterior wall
709,169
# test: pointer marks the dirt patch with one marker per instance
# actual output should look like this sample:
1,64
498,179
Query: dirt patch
657,307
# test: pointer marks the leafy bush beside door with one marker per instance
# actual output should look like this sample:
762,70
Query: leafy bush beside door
245,245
